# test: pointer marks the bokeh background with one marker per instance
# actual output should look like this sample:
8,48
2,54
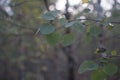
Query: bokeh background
26,56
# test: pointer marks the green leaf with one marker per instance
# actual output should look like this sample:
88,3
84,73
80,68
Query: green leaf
46,28
110,69
67,39
62,21
51,15
55,13
110,26
53,38
78,27
98,75
87,66
69,24
87,10
48,16
84,1
95,31
114,53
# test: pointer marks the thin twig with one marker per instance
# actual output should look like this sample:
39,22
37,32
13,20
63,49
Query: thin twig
96,20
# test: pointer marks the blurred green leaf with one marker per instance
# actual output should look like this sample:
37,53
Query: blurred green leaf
110,26
55,13
110,69
48,16
53,38
114,53
87,10
84,1
47,28
98,75
87,66
62,21
78,27
69,24
67,39
51,15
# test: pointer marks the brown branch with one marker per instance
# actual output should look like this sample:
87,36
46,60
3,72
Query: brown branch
46,5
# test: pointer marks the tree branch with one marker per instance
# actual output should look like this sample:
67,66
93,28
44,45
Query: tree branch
96,20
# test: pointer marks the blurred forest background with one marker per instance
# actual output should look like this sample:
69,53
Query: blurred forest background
25,55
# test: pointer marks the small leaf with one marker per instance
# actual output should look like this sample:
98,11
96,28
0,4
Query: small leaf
48,16
87,10
69,24
51,15
46,28
84,1
98,75
55,13
110,26
78,27
62,21
87,66
67,39
113,53
53,38
110,69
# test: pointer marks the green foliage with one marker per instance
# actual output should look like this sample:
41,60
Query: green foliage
114,53
53,38
110,69
87,10
87,66
110,26
67,39
47,28
51,15
27,14
98,75
78,27
62,21
69,24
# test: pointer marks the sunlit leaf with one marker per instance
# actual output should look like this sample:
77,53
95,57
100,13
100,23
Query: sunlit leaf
110,26
47,28
67,39
114,53
110,69
84,1
87,66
